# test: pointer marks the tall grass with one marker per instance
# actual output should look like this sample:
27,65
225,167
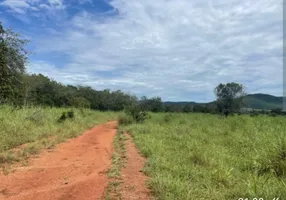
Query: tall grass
201,156
40,127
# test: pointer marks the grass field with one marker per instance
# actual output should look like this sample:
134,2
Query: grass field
38,128
201,156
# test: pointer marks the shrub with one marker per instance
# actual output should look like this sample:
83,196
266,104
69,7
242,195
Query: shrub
62,118
254,114
65,116
125,119
137,113
168,118
273,114
70,114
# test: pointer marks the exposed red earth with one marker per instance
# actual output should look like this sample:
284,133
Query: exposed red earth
133,186
75,169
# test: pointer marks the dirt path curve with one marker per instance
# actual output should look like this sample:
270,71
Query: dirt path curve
133,186
73,170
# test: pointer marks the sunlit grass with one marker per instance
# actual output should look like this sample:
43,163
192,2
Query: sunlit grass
201,156
40,129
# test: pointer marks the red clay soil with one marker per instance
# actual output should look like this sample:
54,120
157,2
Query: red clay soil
133,185
73,170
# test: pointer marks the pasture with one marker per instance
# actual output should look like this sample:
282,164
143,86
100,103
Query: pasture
204,156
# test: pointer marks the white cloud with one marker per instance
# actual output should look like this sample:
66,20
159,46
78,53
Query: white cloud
18,6
178,47
23,6
44,6
57,4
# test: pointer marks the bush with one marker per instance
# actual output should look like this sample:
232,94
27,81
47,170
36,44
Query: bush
62,118
125,119
70,114
273,114
65,116
168,118
254,114
137,113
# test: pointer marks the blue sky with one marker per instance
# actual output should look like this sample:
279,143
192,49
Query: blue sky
176,49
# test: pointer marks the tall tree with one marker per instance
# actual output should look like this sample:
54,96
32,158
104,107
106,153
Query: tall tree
154,104
4,79
229,97
13,58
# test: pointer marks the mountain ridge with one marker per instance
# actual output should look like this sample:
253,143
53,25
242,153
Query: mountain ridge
255,101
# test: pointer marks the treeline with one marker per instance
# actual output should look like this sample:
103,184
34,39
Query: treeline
40,90
191,107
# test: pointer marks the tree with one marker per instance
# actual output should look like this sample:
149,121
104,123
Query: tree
198,108
79,102
144,103
154,104
210,108
229,97
277,111
4,79
13,59
173,108
187,108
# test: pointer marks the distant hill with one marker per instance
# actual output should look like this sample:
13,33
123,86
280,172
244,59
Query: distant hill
255,101
263,101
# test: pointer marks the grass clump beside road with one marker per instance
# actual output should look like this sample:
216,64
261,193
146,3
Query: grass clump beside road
118,160
203,156
31,129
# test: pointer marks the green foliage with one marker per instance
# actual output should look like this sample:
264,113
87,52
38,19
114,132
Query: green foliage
208,157
278,111
137,112
198,108
70,114
254,114
40,90
187,108
229,97
65,116
173,108
125,119
79,102
168,118
62,118
13,58
154,104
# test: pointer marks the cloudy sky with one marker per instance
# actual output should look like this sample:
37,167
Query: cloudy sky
176,49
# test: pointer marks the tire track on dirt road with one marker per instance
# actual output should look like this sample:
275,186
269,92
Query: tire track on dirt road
133,186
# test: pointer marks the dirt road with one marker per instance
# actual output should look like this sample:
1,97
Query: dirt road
133,186
73,170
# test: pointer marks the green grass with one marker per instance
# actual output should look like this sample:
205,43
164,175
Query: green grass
118,161
201,156
38,128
